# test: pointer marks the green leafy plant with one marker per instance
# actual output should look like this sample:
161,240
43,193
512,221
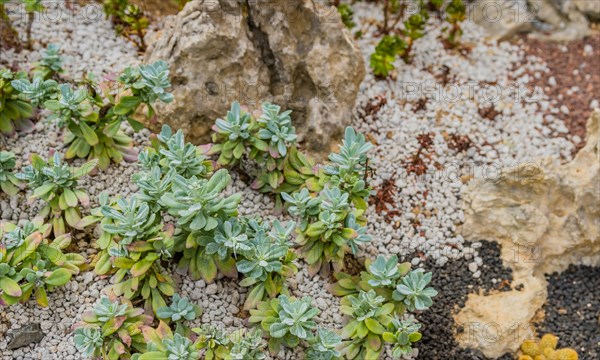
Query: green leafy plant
413,291
346,14
137,245
129,21
402,336
382,60
456,13
181,309
323,345
15,110
94,119
199,206
348,166
392,46
247,345
213,341
332,233
37,92
386,285
32,263
268,142
50,66
286,320
56,184
370,317
267,263
112,329
8,181
164,344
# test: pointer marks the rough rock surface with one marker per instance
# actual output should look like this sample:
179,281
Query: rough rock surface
546,218
29,334
557,20
298,55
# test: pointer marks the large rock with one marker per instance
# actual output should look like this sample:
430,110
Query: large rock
557,20
546,218
296,54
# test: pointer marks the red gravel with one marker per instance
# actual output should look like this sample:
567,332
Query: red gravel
569,68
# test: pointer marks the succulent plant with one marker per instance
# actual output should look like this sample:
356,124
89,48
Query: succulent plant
346,14
302,205
94,117
456,13
164,344
153,184
247,345
370,317
32,263
286,320
413,290
385,272
51,64
233,134
197,203
37,92
128,20
545,349
88,339
56,183
335,232
382,60
402,335
112,329
15,111
348,166
177,155
8,181
278,129
180,309
199,208
323,345
148,84
131,220
229,238
268,142
266,265
214,341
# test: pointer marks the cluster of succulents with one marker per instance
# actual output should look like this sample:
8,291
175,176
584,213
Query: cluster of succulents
330,229
55,183
94,117
112,329
267,262
92,113
545,349
33,263
376,302
133,247
269,142
288,321
180,310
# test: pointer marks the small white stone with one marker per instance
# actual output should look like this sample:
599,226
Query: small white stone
564,109
473,267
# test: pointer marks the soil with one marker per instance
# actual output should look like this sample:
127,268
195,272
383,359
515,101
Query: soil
572,311
571,67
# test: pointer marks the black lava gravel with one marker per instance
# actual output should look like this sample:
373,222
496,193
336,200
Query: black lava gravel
454,282
572,311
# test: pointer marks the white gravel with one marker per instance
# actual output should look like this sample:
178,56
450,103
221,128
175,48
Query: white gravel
429,215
